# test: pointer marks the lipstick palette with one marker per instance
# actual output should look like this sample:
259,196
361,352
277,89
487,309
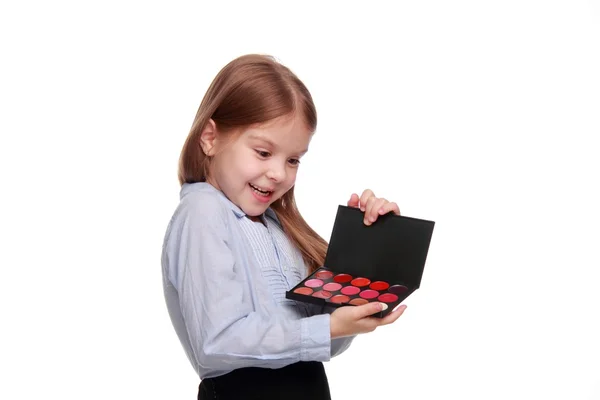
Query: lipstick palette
381,262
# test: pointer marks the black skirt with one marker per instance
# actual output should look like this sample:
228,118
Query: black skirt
302,380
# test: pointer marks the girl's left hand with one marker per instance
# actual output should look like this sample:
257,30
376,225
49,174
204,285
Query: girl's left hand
372,206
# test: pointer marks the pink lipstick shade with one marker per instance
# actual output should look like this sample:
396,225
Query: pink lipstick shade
314,283
350,290
332,286
369,294
322,294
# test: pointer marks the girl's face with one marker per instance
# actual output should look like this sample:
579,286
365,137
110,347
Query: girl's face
260,165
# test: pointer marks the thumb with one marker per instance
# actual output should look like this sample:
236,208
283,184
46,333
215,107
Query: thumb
370,309
353,202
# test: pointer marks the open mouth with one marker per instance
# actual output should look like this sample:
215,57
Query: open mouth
259,191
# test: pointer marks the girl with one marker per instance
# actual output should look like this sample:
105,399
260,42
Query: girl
237,242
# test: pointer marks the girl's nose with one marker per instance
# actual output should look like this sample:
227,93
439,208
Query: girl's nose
276,173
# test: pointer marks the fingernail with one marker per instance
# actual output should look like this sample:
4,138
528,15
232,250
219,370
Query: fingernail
367,222
381,211
372,218
362,208
383,306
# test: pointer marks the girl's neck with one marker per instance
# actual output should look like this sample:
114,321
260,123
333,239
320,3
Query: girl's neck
258,218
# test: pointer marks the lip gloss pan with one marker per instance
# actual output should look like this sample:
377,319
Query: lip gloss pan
313,283
379,285
304,290
340,298
323,294
397,289
388,298
324,275
360,282
332,287
369,294
342,278
350,290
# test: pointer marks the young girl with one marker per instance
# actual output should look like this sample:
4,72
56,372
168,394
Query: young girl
237,242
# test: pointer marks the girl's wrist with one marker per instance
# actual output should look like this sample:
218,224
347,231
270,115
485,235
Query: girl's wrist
333,328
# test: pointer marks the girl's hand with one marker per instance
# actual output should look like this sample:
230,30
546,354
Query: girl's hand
353,320
372,206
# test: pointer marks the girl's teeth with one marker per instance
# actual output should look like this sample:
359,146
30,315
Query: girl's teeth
260,192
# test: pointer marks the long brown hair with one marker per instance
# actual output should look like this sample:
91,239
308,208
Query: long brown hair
254,89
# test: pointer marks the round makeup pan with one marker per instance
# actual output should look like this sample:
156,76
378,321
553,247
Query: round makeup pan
350,290
360,282
397,289
339,298
369,294
332,286
358,301
323,294
342,278
304,290
313,283
324,275
388,298
379,285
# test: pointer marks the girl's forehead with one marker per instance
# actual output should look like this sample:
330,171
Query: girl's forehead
285,133
285,122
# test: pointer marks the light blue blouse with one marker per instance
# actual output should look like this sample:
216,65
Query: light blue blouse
225,278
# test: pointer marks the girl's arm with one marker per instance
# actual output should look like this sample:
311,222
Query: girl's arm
338,345
224,329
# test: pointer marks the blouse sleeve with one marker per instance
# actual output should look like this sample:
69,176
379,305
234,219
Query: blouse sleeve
338,345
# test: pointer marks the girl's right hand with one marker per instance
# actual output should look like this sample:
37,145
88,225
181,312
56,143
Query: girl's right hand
353,320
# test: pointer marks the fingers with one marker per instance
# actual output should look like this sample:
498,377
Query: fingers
353,202
393,316
369,309
372,210
366,311
368,193
372,206
347,321
386,208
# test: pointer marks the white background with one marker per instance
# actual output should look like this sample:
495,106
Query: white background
479,115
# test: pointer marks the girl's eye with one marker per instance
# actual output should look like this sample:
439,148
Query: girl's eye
294,161
262,153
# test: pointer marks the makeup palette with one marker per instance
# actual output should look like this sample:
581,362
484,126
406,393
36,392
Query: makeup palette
381,262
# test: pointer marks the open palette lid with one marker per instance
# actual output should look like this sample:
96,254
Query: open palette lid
394,248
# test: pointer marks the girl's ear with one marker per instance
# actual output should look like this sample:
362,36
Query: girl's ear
208,138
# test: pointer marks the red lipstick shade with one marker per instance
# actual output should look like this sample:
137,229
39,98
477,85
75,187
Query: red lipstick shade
342,278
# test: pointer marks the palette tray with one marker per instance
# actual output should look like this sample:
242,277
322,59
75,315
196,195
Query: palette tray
382,262
325,287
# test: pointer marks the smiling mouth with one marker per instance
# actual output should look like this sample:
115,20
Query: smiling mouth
260,192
